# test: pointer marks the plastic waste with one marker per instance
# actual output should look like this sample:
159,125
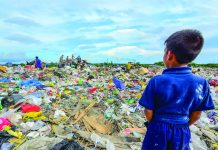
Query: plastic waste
31,82
44,131
34,116
33,134
130,101
80,82
87,101
143,71
5,80
4,137
15,118
93,90
204,120
34,100
36,94
7,101
110,100
16,134
125,109
8,114
137,87
196,143
42,143
6,146
119,84
59,113
25,127
3,123
102,141
1,107
115,92
67,145
30,108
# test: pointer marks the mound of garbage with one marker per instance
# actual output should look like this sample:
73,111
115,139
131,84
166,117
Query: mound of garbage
94,108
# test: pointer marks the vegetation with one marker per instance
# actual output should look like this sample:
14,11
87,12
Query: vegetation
192,64
160,63
52,64
210,65
137,64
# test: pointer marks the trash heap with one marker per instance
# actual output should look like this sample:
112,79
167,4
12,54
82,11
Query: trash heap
93,108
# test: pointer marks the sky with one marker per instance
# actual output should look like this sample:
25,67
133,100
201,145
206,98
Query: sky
102,30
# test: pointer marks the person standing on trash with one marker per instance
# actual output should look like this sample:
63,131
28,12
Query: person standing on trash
38,63
174,100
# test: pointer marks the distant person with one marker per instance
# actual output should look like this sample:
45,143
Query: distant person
38,63
79,60
174,100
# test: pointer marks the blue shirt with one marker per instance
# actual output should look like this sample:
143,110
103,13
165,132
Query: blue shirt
175,94
38,63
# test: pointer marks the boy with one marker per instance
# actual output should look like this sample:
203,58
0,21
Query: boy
174,100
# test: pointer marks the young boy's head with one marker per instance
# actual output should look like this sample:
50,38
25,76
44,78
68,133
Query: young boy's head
182,47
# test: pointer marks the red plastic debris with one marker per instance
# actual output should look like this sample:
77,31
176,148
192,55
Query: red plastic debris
30,108
93,90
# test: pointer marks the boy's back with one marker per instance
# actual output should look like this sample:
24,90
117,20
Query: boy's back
175,99
175,94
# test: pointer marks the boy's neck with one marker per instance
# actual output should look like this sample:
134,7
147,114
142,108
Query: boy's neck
176,65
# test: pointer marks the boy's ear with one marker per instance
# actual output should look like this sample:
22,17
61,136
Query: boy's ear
170,55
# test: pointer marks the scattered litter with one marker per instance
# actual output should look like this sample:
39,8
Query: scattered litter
88,107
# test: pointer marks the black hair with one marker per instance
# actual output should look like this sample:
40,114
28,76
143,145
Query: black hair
185,44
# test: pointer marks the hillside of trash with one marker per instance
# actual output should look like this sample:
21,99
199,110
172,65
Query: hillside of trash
89,108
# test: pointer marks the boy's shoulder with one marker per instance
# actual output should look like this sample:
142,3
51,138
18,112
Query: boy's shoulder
191,76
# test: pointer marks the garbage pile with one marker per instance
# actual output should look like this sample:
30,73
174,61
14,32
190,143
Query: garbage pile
93,108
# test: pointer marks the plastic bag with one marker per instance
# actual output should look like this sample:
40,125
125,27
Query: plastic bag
24,127
103,141
4,137
15,118
7,101
93,90
5,80
31,82
42,143
1,107
36,94
34,115
16,134
119,84
80,82
59,113
3,123
130,101
34,100
38,125
67,145
33,134
30,108
196,143
6,146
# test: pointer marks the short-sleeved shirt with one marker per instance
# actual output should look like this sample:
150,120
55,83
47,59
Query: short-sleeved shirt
175,94
38,63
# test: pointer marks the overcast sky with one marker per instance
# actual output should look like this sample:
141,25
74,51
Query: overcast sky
101,30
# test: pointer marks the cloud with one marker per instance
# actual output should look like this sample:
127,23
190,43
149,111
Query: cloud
124,54
21,38
128,35
14,56
129,50
211,50
103,27
22,21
